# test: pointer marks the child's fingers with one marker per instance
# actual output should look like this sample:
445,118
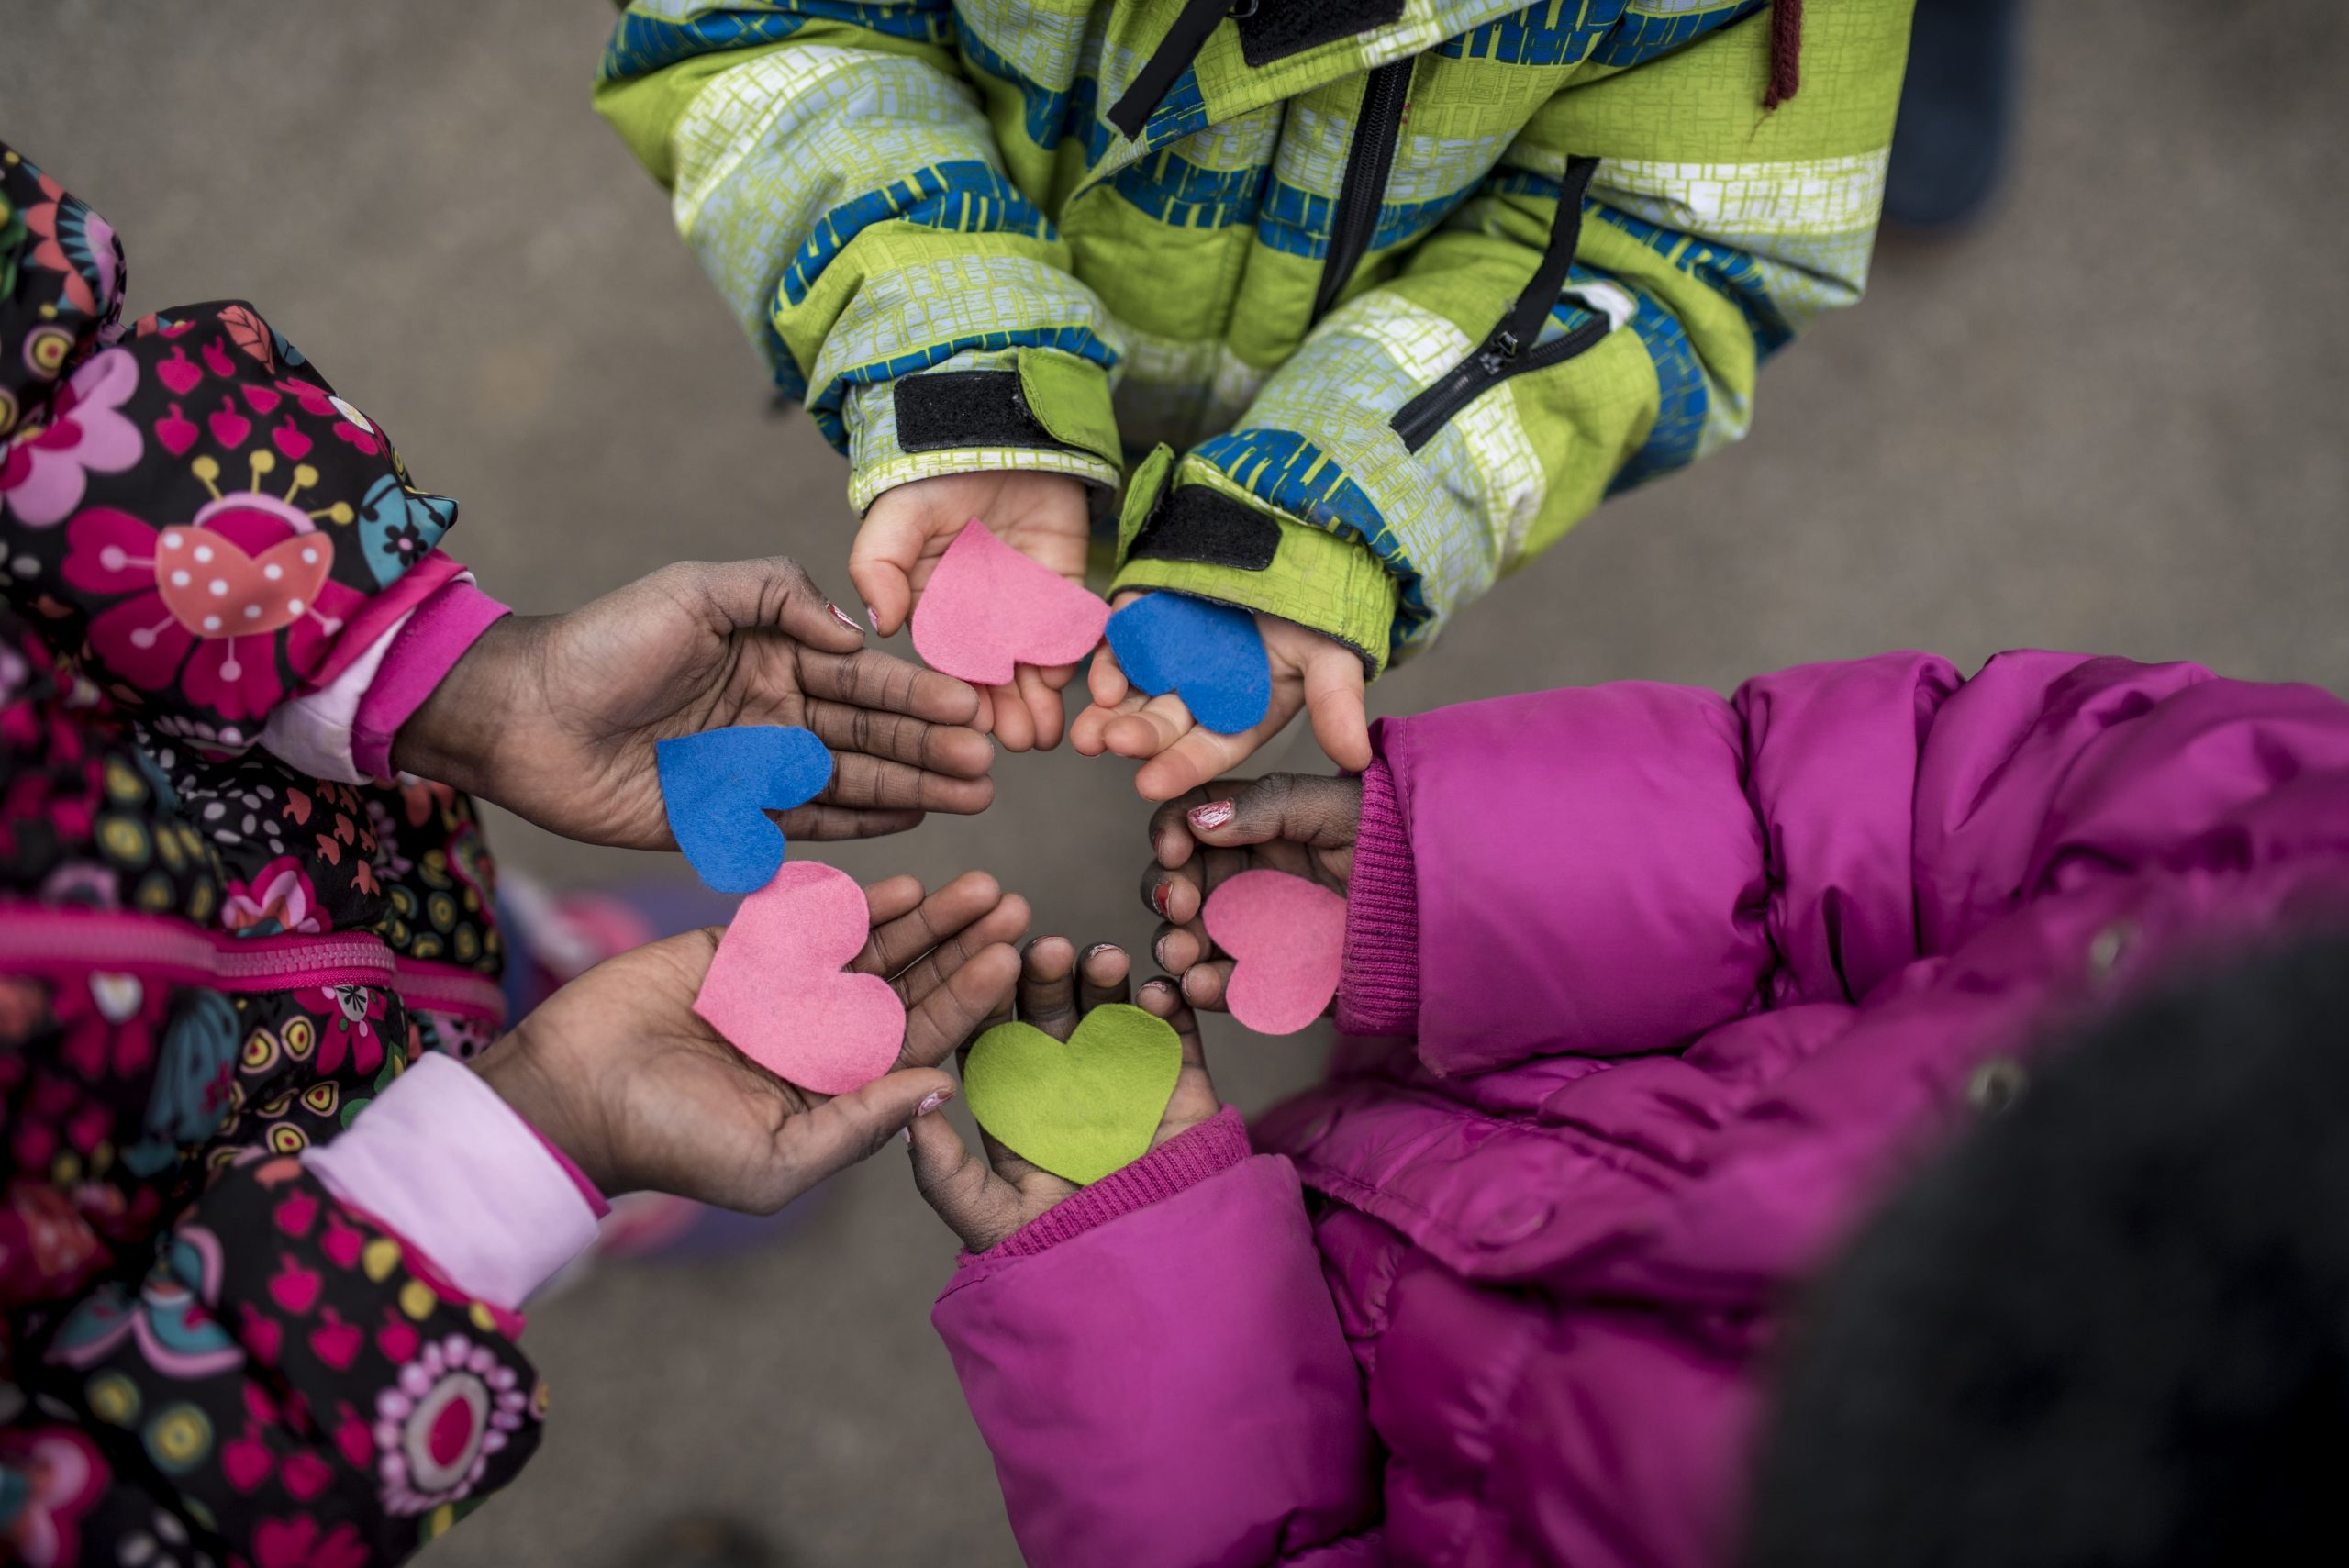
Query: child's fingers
1174,896
1090,733
903,928
1103,976
1048,985
978,1206
881,561
1170,823
952,749
1044,706
940,1017
834,1134
1333,697
1202,983
1163,998
1105,679
1176,948
891,899
1200,756
872,783
826,821
1298,808
872,679
1015,723
1157,725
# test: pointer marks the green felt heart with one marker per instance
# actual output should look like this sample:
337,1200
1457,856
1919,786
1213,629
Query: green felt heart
1079,1110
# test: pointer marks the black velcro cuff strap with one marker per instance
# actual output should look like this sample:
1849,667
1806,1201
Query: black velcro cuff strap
1197,522
967,409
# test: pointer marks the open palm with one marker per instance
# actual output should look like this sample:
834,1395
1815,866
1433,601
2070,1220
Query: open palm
556,717
619,1070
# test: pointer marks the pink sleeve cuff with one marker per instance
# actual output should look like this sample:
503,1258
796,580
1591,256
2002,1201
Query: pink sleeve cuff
597,1204
1184,1160
426,649
1378,986
442,1161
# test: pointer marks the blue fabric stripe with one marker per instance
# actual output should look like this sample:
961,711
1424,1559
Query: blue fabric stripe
1685,397
640,44
1173,190
1555,32
1287,470
1727,269
1640,39
1043,110
1298,223
826,410
963,194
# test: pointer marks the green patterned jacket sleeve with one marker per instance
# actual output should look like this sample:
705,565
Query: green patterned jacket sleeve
834,173
1712,233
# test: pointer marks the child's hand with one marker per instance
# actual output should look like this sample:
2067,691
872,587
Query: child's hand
1178,753
983,1201
554,717
1300,823
1041,515
617,1072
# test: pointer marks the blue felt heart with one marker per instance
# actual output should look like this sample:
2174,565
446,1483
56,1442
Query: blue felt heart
1208,654
718,786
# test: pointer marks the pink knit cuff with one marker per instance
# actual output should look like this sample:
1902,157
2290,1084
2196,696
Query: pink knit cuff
1378,986
1182,1161
439,634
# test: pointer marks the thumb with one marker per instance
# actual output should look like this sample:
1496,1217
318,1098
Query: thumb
1333,695
1300,808
849,1128
977,1204
881,561
777,593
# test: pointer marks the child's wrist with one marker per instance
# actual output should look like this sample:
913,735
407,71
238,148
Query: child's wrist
453,737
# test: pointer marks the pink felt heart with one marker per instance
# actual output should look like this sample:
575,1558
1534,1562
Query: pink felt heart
214,589
1287,937
776,989
987,607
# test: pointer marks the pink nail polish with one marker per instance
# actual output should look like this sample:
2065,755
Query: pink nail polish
844,618
872,616
1158,899
932,1101
1213,815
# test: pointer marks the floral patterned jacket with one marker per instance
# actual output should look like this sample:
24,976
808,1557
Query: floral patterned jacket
220,941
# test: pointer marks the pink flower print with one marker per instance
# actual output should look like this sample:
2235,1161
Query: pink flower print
208,600
278,899
93,278
452,1406
352,1012
46,467
64,1476
356,427
110,1023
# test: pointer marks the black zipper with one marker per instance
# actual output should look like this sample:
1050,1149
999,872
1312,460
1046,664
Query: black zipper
1378,126
1510,349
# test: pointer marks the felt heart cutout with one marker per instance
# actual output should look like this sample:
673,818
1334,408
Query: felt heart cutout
987,607
1287,939
776,990
214,589
717,787
1079,1110
1210,655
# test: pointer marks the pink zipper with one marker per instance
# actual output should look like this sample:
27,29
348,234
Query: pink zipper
38,936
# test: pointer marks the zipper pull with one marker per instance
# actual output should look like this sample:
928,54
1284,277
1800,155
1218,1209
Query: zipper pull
1499,349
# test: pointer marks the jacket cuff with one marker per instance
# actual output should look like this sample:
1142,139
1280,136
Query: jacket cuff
1378,986
422,652
1034,410
445,1163
1182,1161
1187,529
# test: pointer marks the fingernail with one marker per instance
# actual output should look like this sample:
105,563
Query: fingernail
1158,899
842,617
1213,815
929,1103
1096,950
1158,951
905,1133
870,615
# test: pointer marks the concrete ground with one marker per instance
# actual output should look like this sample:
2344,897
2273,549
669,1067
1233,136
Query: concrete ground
2110,418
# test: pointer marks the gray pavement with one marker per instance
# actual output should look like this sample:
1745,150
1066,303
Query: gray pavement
2110,418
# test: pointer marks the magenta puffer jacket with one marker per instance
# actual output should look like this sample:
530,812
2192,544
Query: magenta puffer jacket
1676,988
